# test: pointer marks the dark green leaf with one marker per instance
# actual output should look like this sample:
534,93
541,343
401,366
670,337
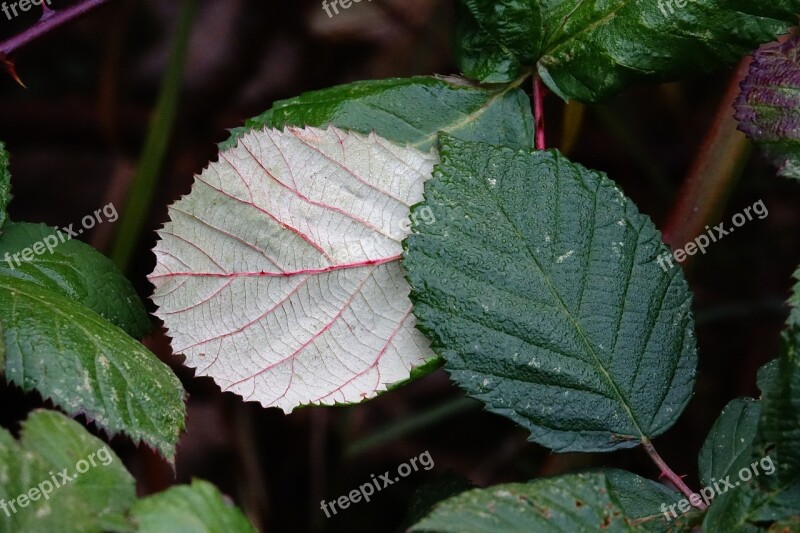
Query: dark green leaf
538,283
588,502
729,445
768,109
442,487
74,270
5,184
198,508
498,41
766,375
731,512
591,50
86,365
780,420
408,111
50,443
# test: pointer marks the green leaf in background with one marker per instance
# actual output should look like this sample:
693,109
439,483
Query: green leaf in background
408,111
768,108
774,494
5,184
539,284
766,375
592,50
780,420
498,41
611,501
50,443
729,445
198,508
86,365
74,270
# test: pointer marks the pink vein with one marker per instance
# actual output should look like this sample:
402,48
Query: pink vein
314,202
356,176
270,215
255,320
309,271
374,363
294,354
231,235
201,302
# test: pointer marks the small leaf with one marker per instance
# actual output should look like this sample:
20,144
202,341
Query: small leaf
767,375
538,283
731,512
780,419
279,275
85,365
198,508
729,445
5,185
408,111
581,503
768,108
50,444
592,50
74,270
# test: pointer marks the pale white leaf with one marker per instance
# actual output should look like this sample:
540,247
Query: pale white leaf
279,275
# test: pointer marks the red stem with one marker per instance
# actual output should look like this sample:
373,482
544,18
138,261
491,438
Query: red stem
50,20
538,111
667,472
713,173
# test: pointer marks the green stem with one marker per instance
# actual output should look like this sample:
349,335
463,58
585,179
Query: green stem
141,193
394,431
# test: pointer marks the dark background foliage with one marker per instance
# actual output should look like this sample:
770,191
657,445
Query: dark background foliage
75,135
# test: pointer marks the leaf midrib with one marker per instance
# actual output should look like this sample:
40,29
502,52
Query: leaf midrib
475,114
576,325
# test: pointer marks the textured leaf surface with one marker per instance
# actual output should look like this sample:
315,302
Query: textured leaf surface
538,284
768,108
5,184
772,495
198,508
591,50
76,271
279,275
587,502
780,420
729,445
93,501
408,111
86,365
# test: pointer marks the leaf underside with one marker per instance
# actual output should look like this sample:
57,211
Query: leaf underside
279,275
538,284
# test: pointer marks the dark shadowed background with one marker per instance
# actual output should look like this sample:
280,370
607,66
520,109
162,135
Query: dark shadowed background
76,134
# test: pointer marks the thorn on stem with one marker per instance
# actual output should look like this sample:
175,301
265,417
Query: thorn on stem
11,69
